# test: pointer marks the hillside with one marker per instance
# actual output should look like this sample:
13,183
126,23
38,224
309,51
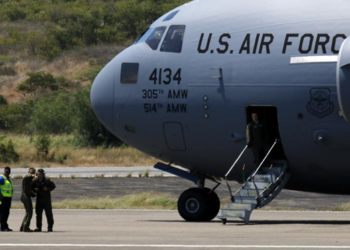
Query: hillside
79,65
50,52
73,38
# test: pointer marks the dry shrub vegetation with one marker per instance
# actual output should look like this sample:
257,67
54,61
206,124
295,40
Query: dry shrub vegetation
64,152
75,65
50,52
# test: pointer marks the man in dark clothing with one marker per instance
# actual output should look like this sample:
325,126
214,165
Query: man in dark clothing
257,138
26,198
43,187
6,192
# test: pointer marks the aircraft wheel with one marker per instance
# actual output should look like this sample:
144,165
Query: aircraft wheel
213,205
193,204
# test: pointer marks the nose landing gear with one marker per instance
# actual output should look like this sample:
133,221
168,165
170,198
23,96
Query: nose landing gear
197,204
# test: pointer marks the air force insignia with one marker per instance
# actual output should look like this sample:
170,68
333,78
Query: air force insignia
320,104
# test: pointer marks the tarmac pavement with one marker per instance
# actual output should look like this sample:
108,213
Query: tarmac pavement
116,187
136,229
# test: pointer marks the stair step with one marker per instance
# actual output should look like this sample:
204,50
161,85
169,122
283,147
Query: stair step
239,206
275,170
226,218
233,213
259,185
249,192
273,194
265,178
245,199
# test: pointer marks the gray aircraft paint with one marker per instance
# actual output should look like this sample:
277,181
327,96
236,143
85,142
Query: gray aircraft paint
201,139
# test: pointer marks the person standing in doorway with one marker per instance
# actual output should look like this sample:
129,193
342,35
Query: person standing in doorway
26,198
43,187
6,193
257,138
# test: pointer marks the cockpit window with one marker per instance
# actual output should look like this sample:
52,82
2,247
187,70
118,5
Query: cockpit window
129,73
174,39
144,35
154,39
171,16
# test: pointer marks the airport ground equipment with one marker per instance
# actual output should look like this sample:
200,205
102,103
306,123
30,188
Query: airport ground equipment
257,191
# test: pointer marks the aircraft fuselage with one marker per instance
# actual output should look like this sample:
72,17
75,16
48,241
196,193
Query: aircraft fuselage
190,108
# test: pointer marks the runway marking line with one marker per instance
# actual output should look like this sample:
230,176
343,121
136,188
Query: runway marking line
173,246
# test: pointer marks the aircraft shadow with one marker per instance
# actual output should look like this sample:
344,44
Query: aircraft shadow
180,221
309,222
265,222
53,232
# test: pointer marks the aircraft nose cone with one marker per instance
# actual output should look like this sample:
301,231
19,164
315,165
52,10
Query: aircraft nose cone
102,96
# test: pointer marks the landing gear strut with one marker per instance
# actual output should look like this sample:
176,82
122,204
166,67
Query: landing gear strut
197,204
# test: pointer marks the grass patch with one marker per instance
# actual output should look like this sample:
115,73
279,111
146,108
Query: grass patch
4,59
99,176
146,174
342,208
68,153
137,201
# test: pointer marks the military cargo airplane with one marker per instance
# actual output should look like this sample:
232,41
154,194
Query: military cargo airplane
185,91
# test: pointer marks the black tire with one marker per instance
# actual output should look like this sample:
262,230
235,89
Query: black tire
213,204
193,204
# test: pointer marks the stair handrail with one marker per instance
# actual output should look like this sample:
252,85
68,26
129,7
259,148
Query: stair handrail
234,164
257,170
263,161
252,175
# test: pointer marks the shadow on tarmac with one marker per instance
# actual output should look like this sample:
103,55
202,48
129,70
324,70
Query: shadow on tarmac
180,221
309,222
265,222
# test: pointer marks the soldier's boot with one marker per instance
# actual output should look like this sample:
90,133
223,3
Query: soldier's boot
37,230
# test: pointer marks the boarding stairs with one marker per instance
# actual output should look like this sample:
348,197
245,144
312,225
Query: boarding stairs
257,191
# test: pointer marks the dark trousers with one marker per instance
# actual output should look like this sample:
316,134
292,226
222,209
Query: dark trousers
28,206
260,153
41,205
5,212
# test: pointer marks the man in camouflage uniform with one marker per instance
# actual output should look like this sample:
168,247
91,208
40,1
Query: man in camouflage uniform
43,187
26,198
257,138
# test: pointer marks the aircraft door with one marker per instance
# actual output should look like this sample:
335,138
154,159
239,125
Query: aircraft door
268,115
343,79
